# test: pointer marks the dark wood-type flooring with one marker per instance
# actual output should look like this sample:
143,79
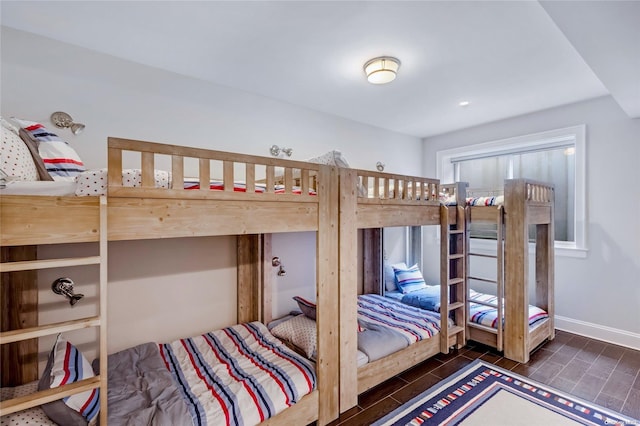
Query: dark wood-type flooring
590,369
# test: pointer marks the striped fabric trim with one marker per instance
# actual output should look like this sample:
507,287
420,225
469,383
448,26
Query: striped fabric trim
237,375
70,366
413,323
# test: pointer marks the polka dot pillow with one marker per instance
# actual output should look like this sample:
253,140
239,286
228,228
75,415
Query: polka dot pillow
16,158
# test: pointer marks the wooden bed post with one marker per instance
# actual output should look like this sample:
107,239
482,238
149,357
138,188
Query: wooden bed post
250,277
348,292
516,271
328,311
545,255
19,310
372,248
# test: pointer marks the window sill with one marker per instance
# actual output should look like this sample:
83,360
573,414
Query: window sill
561,249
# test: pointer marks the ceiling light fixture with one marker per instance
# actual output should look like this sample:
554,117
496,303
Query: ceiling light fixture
464,103
381,70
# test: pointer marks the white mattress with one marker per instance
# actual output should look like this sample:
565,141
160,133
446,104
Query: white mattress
58,188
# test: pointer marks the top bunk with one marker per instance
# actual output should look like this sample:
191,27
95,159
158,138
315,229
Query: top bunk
372,199
525,198
228,194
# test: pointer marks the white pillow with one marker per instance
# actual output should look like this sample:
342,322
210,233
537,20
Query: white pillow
390,283
331,158
16,160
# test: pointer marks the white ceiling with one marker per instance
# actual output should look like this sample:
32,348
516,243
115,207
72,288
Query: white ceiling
506,58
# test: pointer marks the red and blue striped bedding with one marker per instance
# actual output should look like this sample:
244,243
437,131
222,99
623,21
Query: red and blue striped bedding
413,323
240,375
488,315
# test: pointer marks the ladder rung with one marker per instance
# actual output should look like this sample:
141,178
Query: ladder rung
455,330
454,281
456,231
482,327
456,256
482,279
479,302
27,265
455,305
47,330
42,397
493,256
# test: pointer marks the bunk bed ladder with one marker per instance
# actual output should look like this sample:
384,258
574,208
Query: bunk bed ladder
453,278
499,281
23,334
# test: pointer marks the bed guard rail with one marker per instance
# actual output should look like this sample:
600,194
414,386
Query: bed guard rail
216,174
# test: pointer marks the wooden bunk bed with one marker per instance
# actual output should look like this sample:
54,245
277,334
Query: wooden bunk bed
370,201
526,203
149,212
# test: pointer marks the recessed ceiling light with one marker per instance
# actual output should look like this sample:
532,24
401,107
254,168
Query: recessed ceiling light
464,103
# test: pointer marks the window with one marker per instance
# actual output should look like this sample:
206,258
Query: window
556,156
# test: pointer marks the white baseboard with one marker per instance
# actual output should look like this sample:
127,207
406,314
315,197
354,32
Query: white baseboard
599,332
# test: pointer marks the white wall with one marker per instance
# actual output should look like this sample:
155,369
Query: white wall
163,289
598,295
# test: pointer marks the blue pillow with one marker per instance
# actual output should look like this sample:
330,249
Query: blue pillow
409,279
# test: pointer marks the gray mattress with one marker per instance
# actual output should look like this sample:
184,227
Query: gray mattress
142,391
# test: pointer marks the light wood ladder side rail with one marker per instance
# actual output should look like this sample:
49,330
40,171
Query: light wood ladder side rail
178,154
41,397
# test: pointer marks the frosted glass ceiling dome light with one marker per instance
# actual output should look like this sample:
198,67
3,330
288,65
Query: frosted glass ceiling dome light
381,70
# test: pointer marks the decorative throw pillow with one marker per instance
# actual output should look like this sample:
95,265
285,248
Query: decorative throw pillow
15,157
299,330
66,364
390,283
409,279
60,159
331,158
307,308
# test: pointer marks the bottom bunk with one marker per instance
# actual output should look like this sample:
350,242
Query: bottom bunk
392,337
237,375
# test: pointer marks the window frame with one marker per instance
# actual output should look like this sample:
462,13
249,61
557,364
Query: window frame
535,141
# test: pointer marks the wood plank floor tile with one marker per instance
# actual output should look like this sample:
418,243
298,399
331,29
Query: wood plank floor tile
574,370
373,413
451,367
618,385
370,397
420,370
610,402
415,388
631,406
589,387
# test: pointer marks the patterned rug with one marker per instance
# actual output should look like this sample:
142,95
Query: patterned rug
485,395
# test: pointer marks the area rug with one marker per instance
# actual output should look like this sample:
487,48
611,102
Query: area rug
482,394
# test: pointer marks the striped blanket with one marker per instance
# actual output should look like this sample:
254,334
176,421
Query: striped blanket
240,375
488,315
413,323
